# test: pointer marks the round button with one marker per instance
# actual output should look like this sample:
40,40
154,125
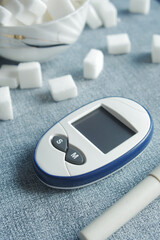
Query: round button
74,156
60,142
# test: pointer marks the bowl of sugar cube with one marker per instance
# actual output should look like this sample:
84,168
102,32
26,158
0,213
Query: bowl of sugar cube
39,30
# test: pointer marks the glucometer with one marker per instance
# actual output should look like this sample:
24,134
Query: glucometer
92,142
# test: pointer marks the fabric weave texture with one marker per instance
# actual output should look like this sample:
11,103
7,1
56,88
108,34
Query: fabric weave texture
31,211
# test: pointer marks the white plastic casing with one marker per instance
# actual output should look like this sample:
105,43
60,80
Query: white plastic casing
52,161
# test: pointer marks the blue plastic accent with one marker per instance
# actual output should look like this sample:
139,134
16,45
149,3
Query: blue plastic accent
93,176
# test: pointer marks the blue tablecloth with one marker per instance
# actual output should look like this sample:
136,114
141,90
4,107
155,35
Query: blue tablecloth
28,209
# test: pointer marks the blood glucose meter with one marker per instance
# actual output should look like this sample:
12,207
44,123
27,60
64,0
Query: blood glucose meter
92,142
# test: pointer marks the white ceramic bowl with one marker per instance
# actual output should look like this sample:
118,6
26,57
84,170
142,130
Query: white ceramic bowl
44,41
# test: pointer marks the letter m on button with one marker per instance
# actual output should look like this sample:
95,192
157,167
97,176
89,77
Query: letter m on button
74,155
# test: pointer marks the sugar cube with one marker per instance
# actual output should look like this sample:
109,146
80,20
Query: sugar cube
93,64
60,8
7,79
118,44
14,6
9,67
139,6
76,3
26,17
6,111
93,19
30,75
47,17
37,7
5,16
96,3
12,22
156,49
63,88
12,69
108,14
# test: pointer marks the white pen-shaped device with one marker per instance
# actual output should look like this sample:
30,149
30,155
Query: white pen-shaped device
125,209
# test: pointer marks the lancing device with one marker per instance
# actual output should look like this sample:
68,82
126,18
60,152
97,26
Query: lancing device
125,209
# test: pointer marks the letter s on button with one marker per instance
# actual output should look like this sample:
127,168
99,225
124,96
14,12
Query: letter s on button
60,141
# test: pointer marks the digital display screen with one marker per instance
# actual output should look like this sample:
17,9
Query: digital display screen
104,130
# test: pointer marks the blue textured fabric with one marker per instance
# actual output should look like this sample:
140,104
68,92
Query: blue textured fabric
28,209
